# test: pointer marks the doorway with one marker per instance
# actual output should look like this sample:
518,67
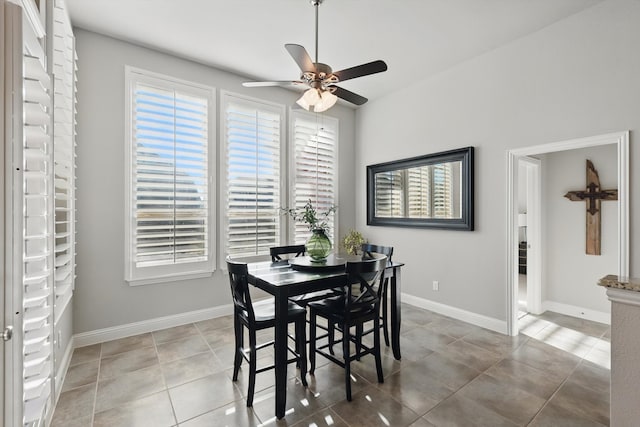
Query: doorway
529,235
515,157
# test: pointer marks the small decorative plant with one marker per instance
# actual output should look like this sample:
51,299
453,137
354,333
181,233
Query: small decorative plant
318,246
352,242
309,215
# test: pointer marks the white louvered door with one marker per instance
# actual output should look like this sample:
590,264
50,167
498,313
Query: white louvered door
29,256
38,261
30,252
64,100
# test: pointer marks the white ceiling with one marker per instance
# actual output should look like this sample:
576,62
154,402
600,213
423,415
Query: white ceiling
416,38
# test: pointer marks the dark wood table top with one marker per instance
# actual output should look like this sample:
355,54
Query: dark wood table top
282,274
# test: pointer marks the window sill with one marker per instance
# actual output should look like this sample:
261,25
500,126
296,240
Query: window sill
169,278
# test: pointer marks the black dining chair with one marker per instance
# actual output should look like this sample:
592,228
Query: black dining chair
298,250
258,316
276,252
368,250
360,304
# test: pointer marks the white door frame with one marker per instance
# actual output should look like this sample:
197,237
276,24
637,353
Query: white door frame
621,139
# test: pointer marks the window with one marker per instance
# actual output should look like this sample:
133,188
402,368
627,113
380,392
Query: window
170,193
252,150
314,167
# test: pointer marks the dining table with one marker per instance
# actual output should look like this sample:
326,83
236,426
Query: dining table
299,276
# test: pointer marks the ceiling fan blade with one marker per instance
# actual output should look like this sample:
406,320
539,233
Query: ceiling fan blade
361,70
347,95
280,83
302,58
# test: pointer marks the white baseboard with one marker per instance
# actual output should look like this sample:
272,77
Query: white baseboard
574,311
122,331
457,313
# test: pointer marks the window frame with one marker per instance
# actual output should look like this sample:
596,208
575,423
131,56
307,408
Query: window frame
185,270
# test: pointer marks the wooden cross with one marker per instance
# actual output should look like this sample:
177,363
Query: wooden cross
593,196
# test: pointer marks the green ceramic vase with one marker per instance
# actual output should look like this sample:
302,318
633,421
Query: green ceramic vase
318,246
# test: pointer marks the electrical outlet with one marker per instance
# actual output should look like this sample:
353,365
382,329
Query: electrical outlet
436,285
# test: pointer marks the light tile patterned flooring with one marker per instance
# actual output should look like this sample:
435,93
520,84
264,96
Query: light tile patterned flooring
555,373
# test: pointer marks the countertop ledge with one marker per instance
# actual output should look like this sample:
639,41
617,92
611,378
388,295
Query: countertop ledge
620,282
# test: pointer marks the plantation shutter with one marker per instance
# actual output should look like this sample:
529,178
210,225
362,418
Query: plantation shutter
390,197
253,146
38,241
315,168
442,190
64,101
169,175
419,197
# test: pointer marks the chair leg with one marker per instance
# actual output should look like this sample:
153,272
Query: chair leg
239,335
252,367
385,319
332,335
347,360
376,349
312,341
359,330
301,344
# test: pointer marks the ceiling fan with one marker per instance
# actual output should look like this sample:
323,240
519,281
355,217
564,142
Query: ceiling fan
321,79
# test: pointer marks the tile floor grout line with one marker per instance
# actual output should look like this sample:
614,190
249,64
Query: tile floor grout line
555,392
95,395
504,357
164,381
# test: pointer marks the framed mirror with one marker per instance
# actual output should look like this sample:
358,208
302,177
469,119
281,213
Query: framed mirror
431,191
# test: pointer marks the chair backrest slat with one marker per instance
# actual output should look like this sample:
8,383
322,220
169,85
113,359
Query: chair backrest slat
368,249
239,281
363,294
276,251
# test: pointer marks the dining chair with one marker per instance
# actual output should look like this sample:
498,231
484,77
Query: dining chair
367,250
258,316
276,252
359,304
298,250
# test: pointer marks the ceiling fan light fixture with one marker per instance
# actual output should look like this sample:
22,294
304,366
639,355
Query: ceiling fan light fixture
309,98
320,77
327,100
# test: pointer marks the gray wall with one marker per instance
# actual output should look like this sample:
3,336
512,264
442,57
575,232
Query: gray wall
102,298
570,274
575,78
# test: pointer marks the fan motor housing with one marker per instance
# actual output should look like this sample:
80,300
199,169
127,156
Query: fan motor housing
317,78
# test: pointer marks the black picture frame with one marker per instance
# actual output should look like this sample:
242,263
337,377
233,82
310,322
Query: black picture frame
466,220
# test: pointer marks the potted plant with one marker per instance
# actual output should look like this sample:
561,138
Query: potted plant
352,242
318,246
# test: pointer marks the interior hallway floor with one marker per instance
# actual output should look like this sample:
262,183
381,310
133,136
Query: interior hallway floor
555,373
